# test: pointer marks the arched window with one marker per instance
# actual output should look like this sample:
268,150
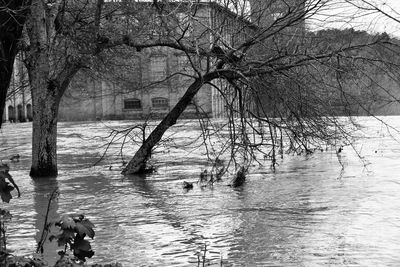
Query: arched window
21,115
160,102
11,114
132,103
29,112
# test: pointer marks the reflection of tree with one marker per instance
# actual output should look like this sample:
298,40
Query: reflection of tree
273,222
195,221
42,190
156,198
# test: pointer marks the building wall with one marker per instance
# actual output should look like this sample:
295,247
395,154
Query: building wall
89,99
136,95
18,104
154,81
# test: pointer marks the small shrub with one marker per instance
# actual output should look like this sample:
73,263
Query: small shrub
74,229
5,215
5,187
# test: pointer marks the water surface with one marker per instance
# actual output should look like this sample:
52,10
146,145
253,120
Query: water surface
309,212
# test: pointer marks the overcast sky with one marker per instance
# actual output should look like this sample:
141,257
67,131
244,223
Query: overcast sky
342,15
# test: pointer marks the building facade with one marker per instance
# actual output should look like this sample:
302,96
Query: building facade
18,104
156,78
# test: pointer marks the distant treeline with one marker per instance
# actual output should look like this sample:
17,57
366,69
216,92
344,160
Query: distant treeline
362,79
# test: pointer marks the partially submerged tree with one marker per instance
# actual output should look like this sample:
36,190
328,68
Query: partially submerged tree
64,38
249,56
53,57
275,75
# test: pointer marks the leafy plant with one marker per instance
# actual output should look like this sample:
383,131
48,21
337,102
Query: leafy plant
74,229
5,187
5,215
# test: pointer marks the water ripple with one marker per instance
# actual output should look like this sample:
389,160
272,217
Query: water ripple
307,213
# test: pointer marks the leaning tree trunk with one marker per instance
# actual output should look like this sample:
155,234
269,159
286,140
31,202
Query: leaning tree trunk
139,160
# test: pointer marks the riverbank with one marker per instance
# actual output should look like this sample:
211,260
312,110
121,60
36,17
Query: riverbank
16,261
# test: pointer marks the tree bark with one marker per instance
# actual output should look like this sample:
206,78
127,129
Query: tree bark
44,92
138,163
13,15
50,73
44,130
48,83
46,96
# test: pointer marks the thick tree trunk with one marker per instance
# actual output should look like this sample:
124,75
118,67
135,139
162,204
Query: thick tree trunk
44,104
44,131
48,82
13,15
139,160
45,95
50,73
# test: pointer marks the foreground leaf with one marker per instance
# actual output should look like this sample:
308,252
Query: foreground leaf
65,237
82,244
85,227
5,175
5,190
67,222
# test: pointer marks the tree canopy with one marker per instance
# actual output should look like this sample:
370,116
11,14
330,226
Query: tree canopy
259,57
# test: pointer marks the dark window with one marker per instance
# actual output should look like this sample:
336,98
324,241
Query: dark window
29,112
11,114
21,115
160,102
132,104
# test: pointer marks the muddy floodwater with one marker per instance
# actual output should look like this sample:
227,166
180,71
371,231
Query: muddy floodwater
309,212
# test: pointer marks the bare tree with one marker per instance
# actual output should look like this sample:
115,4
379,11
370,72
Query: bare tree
65,37
279,76
248,54
54,56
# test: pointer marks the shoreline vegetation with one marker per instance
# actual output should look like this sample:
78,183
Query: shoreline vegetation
72,230
70,235
20,261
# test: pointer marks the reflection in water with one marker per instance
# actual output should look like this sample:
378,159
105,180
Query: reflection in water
305,214
42,191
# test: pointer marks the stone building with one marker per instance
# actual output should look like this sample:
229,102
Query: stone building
18,104
154,79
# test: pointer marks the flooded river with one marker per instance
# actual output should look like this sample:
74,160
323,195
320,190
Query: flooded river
308,213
